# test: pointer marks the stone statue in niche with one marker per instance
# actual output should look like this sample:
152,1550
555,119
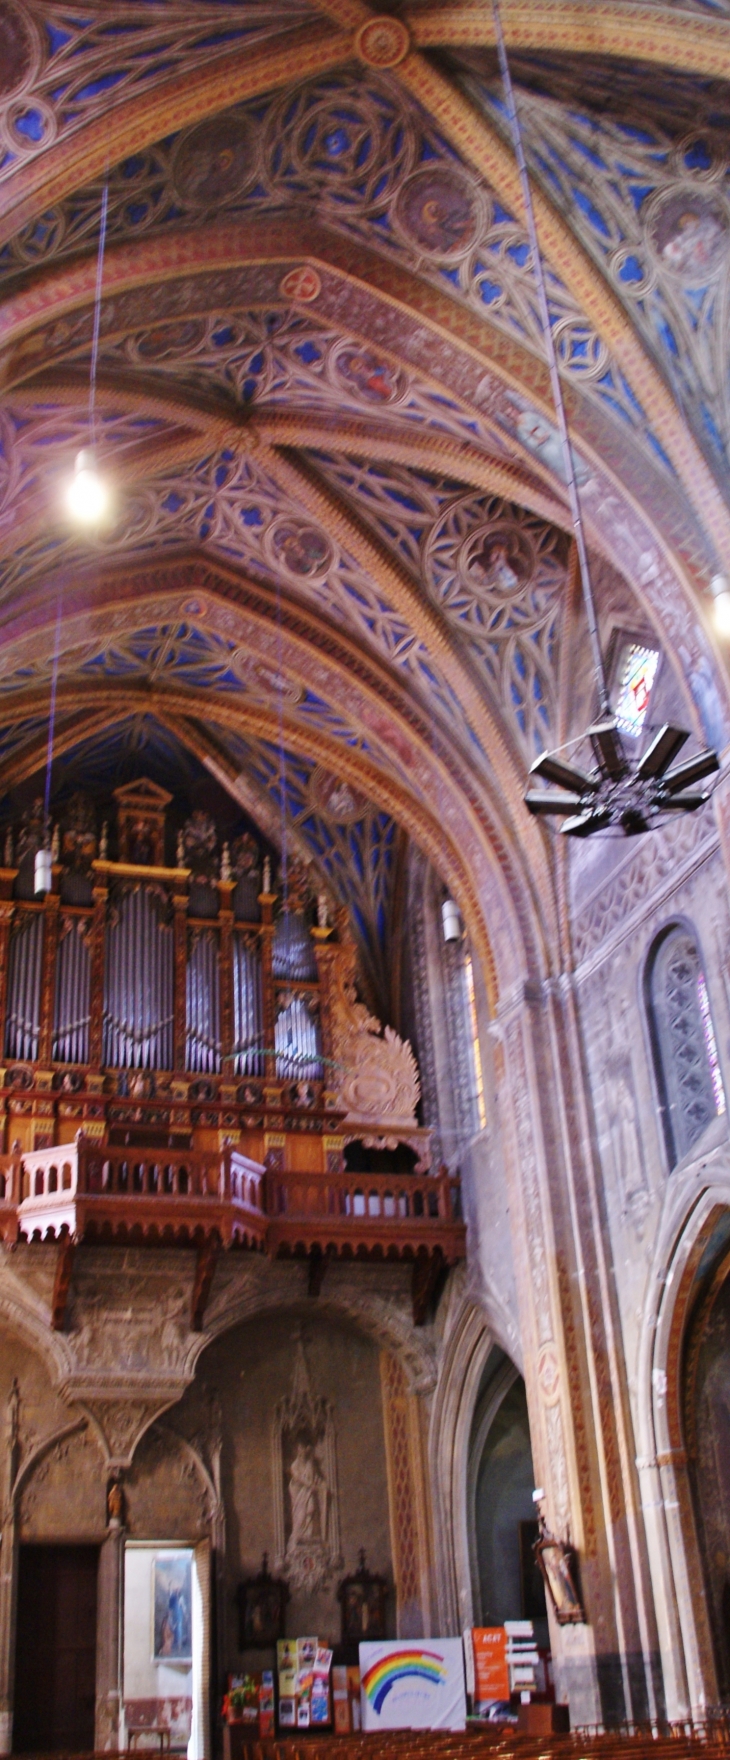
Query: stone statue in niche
305,1483
308,1496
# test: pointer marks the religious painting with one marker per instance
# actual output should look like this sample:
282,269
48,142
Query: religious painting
541,438
302,550
172,1603
261,1609
335,798
498,560
181,336
214,161
363,1598
368,375
689,233
437,211
305,1483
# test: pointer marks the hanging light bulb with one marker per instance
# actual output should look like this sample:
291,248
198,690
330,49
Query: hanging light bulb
451,920
87,495
720,590
43,870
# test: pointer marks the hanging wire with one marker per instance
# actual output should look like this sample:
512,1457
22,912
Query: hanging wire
97,314
557,390
52,723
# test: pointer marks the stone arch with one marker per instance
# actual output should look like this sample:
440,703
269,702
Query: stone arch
696,1217
377,1318
468,1345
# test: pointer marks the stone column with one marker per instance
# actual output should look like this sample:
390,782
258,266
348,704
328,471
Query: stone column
575,1370
110,1630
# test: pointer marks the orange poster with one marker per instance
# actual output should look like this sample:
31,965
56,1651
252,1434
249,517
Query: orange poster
491,1674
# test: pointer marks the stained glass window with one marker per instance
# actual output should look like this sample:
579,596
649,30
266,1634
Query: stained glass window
476,1051
636,673
685,1047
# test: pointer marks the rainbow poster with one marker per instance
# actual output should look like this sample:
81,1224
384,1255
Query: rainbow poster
413,1685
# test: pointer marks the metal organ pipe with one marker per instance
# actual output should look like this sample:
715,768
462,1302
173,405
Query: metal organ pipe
202,1008
247,1009
24,988
138,1000
72,997
297,1043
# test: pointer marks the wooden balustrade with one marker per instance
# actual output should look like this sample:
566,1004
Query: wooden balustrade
85,1190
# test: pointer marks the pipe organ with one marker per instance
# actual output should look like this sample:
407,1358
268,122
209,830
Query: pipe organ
189,989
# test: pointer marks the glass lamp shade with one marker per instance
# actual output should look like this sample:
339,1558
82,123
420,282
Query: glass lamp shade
87,496
43,871
451,920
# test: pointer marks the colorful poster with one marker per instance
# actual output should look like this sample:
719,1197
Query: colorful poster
413,1686
491,1673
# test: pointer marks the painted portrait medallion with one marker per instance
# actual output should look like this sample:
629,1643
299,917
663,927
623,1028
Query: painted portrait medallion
263,681
437,210
335,798
497,560
214,162
367,375
302,550
688,231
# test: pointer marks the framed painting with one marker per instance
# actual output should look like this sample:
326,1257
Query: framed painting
172,1607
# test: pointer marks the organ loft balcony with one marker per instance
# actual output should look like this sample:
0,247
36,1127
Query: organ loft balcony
186,1062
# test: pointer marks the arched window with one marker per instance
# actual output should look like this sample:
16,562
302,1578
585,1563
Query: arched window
683,1038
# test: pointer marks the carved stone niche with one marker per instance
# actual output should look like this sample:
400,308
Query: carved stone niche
306,1503
376,1072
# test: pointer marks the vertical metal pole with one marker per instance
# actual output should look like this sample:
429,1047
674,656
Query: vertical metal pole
552,362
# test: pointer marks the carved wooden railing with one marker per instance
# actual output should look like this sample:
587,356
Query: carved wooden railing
375,1213
85,1191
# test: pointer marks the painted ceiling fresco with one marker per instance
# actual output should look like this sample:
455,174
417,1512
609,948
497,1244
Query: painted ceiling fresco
339,527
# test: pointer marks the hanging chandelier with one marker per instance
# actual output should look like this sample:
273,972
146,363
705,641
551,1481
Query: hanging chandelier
617,791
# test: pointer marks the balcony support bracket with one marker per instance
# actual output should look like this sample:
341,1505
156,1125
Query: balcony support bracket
62,1282
205,1265
318,1262
427,1270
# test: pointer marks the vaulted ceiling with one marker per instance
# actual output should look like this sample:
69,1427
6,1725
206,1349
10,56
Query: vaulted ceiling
323,404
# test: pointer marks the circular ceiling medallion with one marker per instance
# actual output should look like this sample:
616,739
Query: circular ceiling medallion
301,284
302,550
688,232
382,42
497,560
437,209
214,162
336,799
16,50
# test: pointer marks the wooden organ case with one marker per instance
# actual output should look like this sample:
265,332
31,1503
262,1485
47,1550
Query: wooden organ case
185,1057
